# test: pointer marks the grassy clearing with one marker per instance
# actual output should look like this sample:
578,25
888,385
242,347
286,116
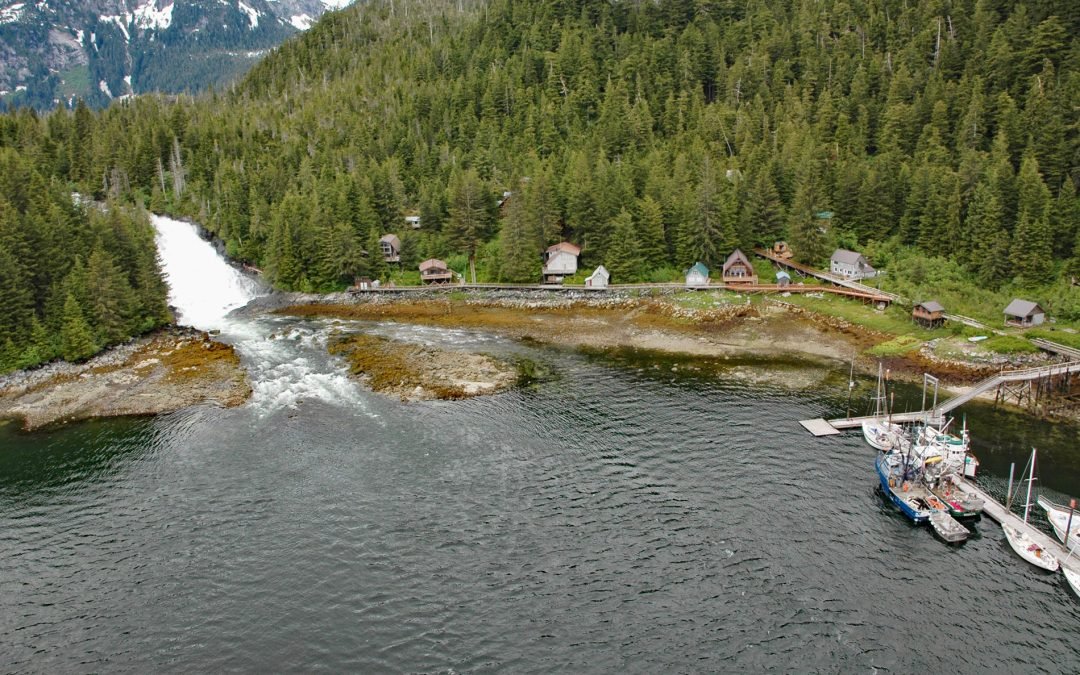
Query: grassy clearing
1069,339
706,299
898,346
1008,344
893,320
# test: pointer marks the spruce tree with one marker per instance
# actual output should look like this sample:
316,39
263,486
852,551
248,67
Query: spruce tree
624,257
76,338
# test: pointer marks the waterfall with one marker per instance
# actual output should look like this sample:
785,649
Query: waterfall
285,358
202,286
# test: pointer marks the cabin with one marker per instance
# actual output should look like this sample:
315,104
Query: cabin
738,270
435,271
1024,313
560,261
783,279
929,314
599,278
390,246
698,275
413,222
781,250
850,265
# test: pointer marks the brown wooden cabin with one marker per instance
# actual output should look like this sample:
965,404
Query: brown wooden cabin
435,271
930,314
738,270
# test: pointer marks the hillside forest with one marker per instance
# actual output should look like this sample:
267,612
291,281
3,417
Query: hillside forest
941,138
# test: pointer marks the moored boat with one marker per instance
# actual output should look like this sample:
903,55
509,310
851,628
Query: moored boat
947,527
1073,577
1058,516
908,495
1030,550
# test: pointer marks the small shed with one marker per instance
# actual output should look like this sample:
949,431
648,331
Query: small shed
851,265
362,284
390,246
698,275
1024,313
783,279
929,313
413,222
560,261
738,270
599,278
435,271
781,250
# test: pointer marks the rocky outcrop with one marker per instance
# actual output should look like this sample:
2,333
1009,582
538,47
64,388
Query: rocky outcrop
167,371
415,373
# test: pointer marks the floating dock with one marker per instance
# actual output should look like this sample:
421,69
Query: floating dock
996,510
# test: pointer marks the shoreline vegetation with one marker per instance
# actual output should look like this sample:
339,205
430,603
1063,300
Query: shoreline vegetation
178,367
705,324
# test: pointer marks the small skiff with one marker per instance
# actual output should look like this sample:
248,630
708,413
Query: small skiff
1030,551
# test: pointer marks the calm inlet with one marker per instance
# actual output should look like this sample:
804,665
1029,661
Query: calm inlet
626,514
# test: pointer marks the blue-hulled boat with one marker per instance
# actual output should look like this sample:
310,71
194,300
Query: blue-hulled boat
909,495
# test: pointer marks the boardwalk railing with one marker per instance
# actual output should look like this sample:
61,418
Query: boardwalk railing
1003,377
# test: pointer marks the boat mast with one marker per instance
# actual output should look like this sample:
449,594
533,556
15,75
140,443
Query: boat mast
1031,479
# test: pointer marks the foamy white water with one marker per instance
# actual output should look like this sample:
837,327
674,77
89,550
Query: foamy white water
202,286
286,360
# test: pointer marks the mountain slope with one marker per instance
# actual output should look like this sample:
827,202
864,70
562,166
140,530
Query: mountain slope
55,50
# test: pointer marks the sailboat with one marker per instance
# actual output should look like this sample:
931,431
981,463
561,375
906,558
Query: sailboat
880,432
1025,546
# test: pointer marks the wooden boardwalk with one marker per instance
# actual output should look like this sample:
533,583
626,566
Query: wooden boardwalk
996,510
1003,377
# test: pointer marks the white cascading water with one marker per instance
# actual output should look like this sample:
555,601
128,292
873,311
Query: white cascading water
286,359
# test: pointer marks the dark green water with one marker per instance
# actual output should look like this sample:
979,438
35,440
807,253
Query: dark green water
620,516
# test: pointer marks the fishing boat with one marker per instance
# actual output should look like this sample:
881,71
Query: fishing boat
1030,550
880,432
909,495
1058,516
959,503
956,450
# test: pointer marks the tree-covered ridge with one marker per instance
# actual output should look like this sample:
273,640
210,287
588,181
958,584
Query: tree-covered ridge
652,134
72,279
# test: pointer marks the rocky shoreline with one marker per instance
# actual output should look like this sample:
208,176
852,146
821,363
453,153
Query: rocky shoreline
414,372
167,370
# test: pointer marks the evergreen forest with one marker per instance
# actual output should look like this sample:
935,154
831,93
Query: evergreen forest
942,138
73,279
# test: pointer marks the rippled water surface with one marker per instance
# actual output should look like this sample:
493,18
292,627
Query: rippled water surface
627,514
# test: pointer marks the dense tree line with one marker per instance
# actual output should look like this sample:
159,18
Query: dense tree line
73,279
652,134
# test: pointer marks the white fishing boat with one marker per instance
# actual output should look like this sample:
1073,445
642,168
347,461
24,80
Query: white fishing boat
1058,516
880,432
1073,577
1030,550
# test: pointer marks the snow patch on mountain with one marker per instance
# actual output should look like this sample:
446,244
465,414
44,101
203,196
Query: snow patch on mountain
252,14
300,21
11,13
120,22
148,16
336,4
104,87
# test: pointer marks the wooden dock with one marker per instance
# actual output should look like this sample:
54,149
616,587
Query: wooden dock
996,510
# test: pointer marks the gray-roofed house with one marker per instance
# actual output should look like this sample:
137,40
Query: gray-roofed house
1024,313
929,313
783,279
599,278
851,265
698,275
390,246
738,270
